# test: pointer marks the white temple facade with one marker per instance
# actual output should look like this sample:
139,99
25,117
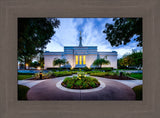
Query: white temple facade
80,56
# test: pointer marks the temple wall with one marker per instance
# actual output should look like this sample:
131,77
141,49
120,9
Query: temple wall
90,53
48,60
90,59
112,59
70,58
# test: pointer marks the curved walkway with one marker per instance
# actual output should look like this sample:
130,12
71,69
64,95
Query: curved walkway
113,90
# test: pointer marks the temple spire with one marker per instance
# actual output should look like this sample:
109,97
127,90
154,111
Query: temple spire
80,40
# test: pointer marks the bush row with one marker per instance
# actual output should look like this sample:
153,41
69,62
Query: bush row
82,69
53,74
25,73
102,74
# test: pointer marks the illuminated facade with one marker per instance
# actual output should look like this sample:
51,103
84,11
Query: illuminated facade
80,56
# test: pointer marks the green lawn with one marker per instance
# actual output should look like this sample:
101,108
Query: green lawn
139,92
22,77
136,75
22,92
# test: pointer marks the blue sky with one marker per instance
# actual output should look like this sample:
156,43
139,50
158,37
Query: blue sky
92,35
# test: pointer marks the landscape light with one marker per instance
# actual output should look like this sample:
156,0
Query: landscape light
38,68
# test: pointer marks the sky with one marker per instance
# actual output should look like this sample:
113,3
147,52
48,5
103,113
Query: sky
92,35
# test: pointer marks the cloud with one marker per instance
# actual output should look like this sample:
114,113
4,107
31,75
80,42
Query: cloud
92,34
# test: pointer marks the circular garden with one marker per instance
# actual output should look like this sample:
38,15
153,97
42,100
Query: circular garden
81,81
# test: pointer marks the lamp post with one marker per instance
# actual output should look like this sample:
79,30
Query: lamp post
26,66
40,74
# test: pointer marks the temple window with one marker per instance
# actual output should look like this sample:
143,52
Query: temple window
84,59
80,60
76,59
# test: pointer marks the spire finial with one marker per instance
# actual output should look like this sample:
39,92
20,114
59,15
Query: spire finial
80,40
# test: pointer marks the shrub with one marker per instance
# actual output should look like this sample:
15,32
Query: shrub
86,69
106,69
44,75
25,73
100,74
78,83
69,85
36,75
74,72
22,92
81,75
62,73
58,69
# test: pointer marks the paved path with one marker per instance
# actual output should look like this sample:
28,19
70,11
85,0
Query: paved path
129,71
47,90
29,83
130,83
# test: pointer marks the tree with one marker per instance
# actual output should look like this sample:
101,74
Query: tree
35,64
101,61
40,59
133,59
59,62
123,30
33,36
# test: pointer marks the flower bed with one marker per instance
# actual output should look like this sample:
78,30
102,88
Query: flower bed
80,82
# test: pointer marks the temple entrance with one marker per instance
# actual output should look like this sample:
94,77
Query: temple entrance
80,60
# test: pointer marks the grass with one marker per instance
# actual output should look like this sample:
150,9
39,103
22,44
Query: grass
136,75
22,77
22,92
139,92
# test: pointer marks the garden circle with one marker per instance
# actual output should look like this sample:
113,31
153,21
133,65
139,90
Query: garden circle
102,85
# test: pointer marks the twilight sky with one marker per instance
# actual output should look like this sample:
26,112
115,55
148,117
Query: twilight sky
92,35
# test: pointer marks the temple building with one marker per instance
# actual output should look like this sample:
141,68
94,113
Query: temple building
80,56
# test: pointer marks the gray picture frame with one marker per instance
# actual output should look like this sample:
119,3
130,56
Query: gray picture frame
10,107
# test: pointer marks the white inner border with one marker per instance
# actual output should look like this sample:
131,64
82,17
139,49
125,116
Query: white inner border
102,85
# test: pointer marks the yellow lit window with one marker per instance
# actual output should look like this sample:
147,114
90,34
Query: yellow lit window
80,60
84,59
76,59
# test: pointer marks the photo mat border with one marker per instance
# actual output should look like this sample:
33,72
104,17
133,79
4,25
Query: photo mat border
10,10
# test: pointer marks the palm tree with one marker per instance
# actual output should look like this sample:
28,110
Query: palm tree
101,61
59,62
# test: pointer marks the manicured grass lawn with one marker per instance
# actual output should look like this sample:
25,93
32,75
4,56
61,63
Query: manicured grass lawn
22,92
139,92
22,77
136,75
